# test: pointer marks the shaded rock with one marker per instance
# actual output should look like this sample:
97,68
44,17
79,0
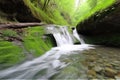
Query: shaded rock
103,28
16,10
106,21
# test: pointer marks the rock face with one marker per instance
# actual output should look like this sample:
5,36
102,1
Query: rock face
104,27
15,10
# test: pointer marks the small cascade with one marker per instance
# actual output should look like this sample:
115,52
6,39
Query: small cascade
78,37
63,37
48,64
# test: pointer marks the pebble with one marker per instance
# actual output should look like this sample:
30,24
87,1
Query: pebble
110,72
98,68
117,76
104,64
91,73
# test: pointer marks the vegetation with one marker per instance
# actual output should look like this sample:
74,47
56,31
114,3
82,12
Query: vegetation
66,12
9,54
33,42
36,42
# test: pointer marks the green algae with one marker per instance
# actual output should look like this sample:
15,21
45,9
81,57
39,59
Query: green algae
66,12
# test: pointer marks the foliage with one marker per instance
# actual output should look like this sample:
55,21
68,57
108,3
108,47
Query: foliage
66,12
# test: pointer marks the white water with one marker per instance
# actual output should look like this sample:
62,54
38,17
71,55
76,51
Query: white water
78,37
62,37
49,64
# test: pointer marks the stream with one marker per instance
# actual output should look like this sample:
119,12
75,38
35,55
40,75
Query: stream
68,60
50,63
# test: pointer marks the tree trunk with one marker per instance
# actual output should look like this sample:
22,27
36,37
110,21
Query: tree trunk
20,25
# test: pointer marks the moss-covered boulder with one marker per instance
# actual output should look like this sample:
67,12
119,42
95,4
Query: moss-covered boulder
10,54
18,45
15,10
103,27
36,42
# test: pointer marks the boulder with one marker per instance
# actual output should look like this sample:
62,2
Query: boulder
103,27
15,10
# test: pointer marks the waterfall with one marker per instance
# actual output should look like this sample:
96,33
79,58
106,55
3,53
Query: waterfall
48,64
63,37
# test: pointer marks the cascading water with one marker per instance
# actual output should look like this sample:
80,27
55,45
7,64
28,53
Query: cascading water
49,64
63,37
75,34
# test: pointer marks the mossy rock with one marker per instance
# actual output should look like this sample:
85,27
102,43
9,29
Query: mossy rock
36,42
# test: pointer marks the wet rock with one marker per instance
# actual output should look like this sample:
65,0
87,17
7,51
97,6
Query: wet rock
115,63
117,77
110,79
108,65
110,72
91,74
98,68
91,65
92,58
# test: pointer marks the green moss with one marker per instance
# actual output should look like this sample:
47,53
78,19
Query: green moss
9,54
35,41
8,32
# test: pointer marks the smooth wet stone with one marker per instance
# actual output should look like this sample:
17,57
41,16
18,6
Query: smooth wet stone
92,59
98,68
117,77
91,73
91,65
115,63
110,72
108,65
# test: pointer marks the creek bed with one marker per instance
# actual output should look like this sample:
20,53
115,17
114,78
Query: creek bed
99,63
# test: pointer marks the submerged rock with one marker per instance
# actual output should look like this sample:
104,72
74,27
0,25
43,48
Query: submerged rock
98,68
91,74
117,77
110,72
